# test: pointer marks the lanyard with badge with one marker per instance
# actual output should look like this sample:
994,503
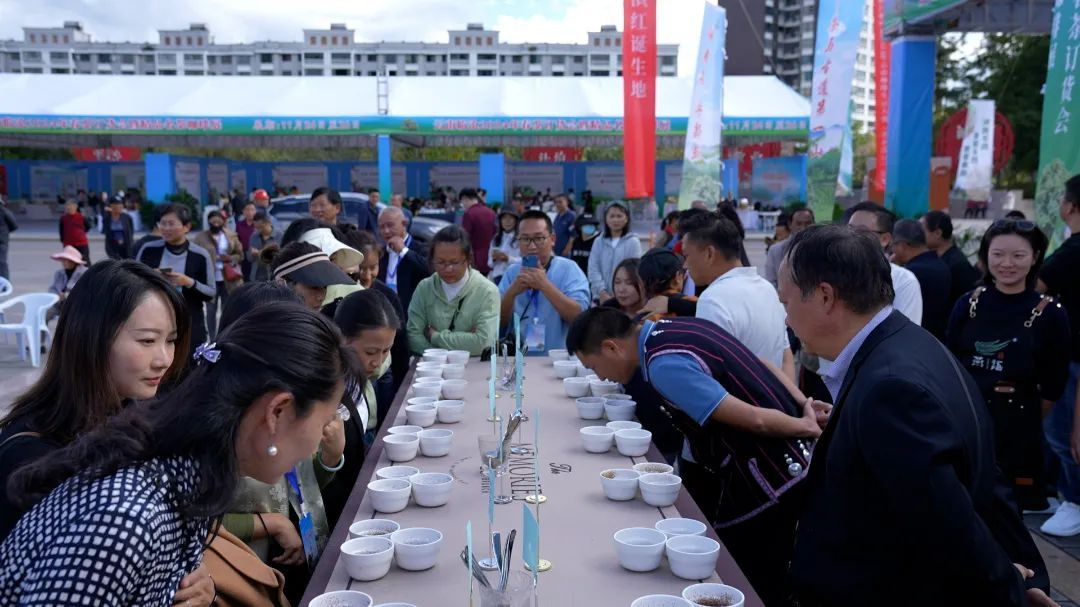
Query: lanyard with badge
535,330
307,524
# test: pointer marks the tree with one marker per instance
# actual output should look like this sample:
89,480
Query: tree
951,78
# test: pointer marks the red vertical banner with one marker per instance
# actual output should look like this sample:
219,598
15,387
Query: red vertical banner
639,97
882,60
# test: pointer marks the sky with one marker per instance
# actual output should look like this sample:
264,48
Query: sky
233,21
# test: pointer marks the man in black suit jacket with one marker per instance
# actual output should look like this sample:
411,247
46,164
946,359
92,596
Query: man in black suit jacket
405,263
935,279
902,502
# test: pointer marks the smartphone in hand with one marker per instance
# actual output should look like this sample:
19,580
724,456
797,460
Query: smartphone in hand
530,261
165,270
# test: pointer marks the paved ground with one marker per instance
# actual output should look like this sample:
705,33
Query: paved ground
32,270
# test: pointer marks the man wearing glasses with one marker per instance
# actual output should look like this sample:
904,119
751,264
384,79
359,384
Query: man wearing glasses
547,291
871,217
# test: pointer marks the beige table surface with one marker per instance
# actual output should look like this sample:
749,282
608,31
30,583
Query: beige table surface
576,523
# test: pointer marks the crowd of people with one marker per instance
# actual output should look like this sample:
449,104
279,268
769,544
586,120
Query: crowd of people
868,415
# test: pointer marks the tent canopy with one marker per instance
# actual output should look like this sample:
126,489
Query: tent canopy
319,111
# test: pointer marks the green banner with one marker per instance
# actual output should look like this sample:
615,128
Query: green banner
899,11
1059,148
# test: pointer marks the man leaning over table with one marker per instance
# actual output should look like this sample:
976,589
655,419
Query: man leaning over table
749,428
548,296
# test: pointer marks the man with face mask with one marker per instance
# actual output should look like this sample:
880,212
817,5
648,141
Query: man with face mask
225,250
586,228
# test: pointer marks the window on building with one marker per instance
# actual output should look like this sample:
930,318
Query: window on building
148,58
490,41
57,56
535,59
579,59
127,59
341,72
55,39
599,59
667,61
192,58
266,57
391,72
33,37
243,59
166,72
599,73
194,73
485,72
457,40
431,73
202,41
373,73
169,59
313,56
459,72
607,41
485,57
459,57
333,40
433,58
67,39
189,42
340,57
79,57
412,58
103,58
266,72
311,40
33,70
389,58
313,71
468,40
558,60
61,70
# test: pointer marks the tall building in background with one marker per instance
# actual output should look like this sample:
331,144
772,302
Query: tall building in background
777,37
473,51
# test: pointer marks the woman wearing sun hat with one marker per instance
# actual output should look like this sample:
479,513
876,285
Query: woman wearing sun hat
66,277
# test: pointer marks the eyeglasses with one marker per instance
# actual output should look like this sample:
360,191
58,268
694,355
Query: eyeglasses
531,241
447,265
1020,225
169,224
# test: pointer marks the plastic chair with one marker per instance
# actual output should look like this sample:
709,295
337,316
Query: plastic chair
6,289
35,306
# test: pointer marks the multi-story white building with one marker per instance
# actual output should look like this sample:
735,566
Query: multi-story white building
862,86
473,51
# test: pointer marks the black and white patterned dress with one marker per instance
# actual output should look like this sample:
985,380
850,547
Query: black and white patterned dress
116,541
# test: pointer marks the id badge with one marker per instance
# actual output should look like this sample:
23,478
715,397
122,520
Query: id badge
534,336
308,537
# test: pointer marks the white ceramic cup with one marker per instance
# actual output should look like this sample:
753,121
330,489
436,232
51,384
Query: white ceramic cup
653,468
454,388
404,430
634,442
623,425
702,595
658,600
601,387
590,407
396,472
435,443
431,489
367,558
424,381
430,372
680,526
619,484
558,355
401,447
576,387
639,548
450,411
597,439
428,390
565,368
458,357
416,549
342,598
452,371
373,527
692,557
423,400
660,490
390,495
421,415
620,410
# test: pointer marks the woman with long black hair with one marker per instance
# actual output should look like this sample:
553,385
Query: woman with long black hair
103,358
135,498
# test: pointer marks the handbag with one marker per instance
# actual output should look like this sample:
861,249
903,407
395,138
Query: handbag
240,578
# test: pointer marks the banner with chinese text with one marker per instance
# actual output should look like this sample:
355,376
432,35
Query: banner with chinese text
639,97
837,43
701,169
975,172
1059,148
882,65
113,154
551,154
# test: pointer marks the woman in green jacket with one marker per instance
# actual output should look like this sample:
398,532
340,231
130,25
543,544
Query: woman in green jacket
455,308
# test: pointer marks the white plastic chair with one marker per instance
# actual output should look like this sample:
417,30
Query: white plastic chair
6,289
28,332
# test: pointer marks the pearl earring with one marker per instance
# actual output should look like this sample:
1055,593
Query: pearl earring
272,450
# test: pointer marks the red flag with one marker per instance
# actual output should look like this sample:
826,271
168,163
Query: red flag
639,97
882,58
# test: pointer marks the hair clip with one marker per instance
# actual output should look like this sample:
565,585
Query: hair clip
207,352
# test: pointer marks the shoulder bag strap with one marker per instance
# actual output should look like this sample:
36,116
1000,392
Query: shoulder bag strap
28,433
